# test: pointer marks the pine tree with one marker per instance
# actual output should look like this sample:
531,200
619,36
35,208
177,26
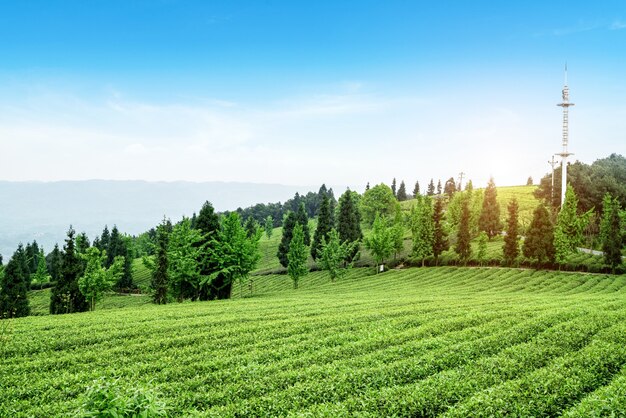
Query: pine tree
160,275
482,247
416,190
41,275
539,242
183,253
422,228
440,240
297,256
114,248
209,225
65,296
611,230
510,249
269,226
431,188
32,257
568,233
105,239
489,220
324,225
463,241
349,222
401,195
303,219
289,224
529,182
251,226
53,261
439,187
393,187
13,290
450,188
367,186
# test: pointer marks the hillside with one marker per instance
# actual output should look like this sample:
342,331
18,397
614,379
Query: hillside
413,342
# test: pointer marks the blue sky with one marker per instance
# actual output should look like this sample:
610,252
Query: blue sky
305,92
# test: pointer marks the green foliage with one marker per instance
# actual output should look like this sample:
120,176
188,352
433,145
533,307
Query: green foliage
98,279
401,194
283,248
13,287
208,223
539,242
453,210
378,200
381,241
490,215
440,237
334,253
41,274
481,255
611,232
510,250
65,296
463,239
269,226
449,188
112,399
349,221
297,256
393,187
568,233
431,188
159,267
324,225
53,261
422,228
303,219
416,189
184,249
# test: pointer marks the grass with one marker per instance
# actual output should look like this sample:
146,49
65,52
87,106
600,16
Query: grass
413,342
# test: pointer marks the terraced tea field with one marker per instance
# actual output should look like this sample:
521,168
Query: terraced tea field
416,342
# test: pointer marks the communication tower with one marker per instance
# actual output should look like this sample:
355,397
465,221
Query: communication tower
565,153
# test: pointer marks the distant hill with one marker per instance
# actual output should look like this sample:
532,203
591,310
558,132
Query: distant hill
44,210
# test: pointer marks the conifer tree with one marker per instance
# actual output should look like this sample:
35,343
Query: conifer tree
422,228
209,225
32,257
65,296
289,224
489,220
41,275
324,225
611,230
183,251
114,248
53,261
303,219
393,187
13,290
431,188
251,226
529,182
440,240
269,226
463,241
439,187
510,249
539,242
401,195
349,222
367,186
160,266
416,190
450,188
568,233
482,247
105,239
297,256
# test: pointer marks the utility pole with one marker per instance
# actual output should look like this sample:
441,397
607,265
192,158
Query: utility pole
461,175
564,154
552,164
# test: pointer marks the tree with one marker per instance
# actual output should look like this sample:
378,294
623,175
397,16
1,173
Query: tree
416,189
431,188
297,256
41,275
422,228
13,289
105,239
349,222
482,247
489,220
539,242
439,187
303,219
379,199
53,261
159,267
510,249
611,232
568,234
401,195
529,181
65,296
440,239
98,279
289,223
251,226
334,253
183,252
450,187
367,186
393,187
463,241
208,223
324,225
380,241
32,257
397,231
236,253
269,226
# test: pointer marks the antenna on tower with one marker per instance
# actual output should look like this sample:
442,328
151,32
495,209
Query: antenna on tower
565,153
566,73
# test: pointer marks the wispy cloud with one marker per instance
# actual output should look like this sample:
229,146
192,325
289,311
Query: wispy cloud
617,25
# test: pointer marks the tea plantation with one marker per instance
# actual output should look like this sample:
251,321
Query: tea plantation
416,342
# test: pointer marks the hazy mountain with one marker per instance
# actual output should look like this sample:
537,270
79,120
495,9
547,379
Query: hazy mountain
44,210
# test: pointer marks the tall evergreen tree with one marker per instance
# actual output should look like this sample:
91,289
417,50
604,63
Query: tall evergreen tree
393,187
401,195
367,186
324,225
416,189
440,240
422,228
289,223
251,226
32,257
53,261
439,187
209,225
65,296
450,187
269,226
349,222
463,240
539,242
183,252
13,290
568,233
431,188
41,275
489,220
510,249
160,266
297,256
105,239
303,219
611,232
115,246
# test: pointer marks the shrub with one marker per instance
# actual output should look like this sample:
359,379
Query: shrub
105,399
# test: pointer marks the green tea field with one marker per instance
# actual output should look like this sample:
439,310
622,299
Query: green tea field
415,342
